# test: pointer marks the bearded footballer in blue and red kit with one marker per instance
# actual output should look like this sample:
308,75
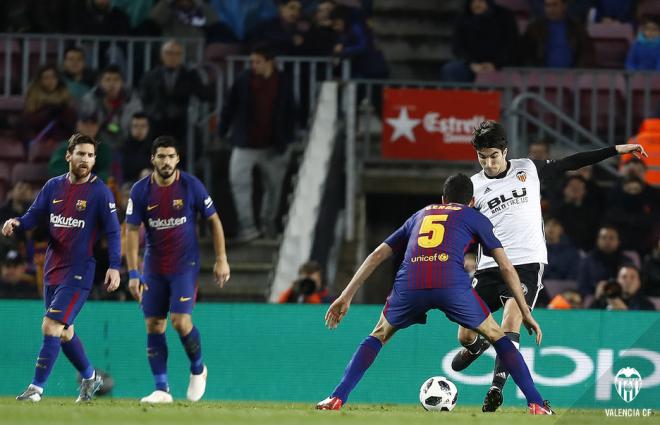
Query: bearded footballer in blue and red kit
432,276
80,209
167,202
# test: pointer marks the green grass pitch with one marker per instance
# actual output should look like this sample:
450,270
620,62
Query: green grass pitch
56,411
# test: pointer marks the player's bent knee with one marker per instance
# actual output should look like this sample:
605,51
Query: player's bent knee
156,325
466,336
182,323
52,327
67,334
490,329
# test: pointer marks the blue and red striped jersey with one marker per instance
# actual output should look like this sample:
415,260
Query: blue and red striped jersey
76,213
169,214
435,239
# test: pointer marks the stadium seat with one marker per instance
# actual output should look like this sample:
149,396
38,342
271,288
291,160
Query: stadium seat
555,86
648,8
557,286
5,171
596,91
611,42
639,82
656,302
31,173
42,151
11,149
217,52
12,103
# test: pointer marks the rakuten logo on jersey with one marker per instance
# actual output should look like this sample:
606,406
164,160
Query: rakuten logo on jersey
166,223
66,222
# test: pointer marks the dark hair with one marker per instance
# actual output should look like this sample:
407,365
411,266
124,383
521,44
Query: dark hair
111,69
458,188
309,267
489,134
342,13
140,115
263,49
630,266
163,142
75,49
653,19
80,139
575,177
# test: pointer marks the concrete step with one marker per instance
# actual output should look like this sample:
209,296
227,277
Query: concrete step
248,282
410,6
421,48
393,25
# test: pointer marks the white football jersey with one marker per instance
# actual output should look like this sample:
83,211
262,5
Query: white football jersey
513,205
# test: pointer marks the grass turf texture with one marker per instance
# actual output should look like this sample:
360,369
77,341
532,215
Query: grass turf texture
55,411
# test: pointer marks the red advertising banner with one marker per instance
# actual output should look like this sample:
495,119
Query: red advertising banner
434,124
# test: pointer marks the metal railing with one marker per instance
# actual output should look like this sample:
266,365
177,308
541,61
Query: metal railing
21,54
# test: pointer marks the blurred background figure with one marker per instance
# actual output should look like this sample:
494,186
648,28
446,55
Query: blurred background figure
14,281
623,292
308,288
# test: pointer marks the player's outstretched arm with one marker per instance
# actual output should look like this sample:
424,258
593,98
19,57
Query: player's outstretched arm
10,226
132,246
635,149
512,280
576,161
221,270
339,307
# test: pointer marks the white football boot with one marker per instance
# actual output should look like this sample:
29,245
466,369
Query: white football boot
197,385
156,397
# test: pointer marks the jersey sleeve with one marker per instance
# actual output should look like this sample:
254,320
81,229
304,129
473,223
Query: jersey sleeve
399,239
38,211
203,200
134,209
110,225
483,230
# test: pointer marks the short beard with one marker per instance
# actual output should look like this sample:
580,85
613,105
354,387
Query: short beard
163,174
80,173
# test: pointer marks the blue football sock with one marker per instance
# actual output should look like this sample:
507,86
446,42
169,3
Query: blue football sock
157,355
46,360
363,357
74,351
514,362
192,343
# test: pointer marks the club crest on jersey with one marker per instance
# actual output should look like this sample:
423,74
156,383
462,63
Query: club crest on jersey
177,204
522,176
81,205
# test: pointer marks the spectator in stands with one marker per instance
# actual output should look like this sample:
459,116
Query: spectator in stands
184,18
485,39
651,271
48,17
14,281
557,40
97,17
576,9
321,39
622,293
631,211
308,288
78,78
166,91
285,32
603,262
644,53
539,150
355,42
136,152
18,201
48,113
89,125
258,120
575,211
115,103
563,256
608,11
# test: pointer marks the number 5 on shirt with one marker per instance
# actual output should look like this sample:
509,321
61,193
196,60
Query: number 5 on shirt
432,231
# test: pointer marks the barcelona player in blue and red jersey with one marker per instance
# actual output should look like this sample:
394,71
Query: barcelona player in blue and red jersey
79,208
431,276
167,202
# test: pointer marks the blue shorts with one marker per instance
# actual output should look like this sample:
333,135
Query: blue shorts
64,302
175,293
461,305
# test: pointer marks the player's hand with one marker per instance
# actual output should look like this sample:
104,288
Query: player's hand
10,226
533,327
336,312
136,287
221,271
112,279
636,150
